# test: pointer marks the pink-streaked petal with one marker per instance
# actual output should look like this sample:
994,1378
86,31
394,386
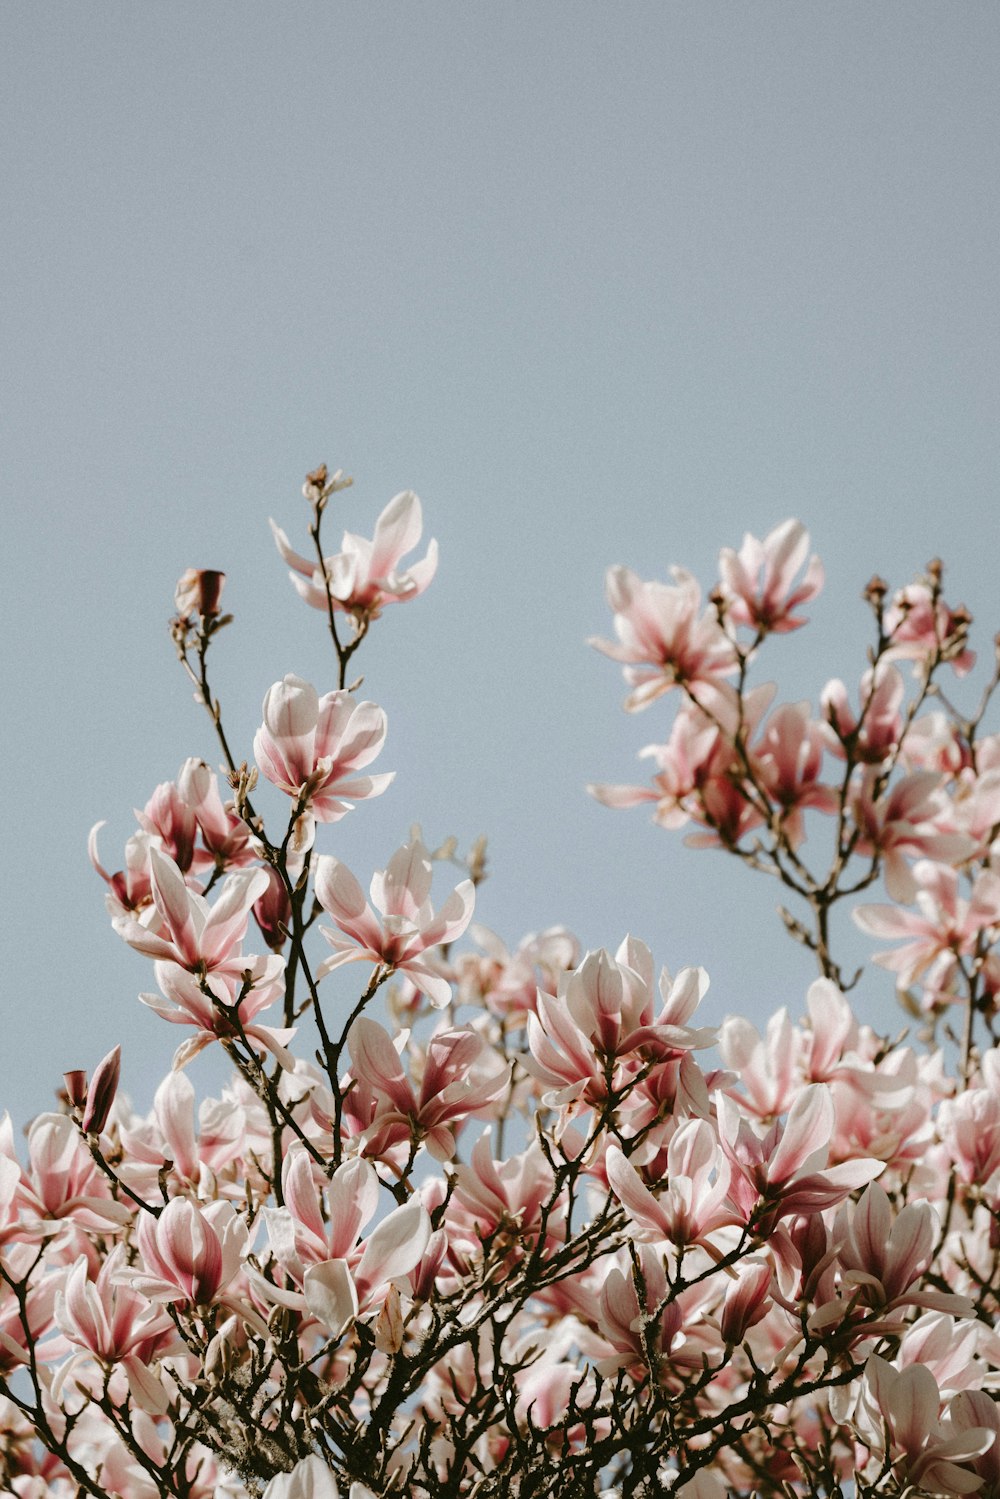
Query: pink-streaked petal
808,1129
376,1060
394,1247
397,532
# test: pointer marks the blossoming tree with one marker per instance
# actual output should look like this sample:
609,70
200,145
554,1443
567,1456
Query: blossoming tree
528,1228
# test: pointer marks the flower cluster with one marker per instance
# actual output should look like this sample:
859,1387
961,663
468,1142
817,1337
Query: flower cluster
532,1226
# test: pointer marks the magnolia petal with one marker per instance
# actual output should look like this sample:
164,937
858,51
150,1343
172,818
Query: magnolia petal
331,1295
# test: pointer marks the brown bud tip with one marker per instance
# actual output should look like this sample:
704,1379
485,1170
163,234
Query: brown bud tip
317,479
101,1093
935,570
198,591
76,1087
875,590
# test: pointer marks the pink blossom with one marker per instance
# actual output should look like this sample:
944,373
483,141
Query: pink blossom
364,575
933,742
970,1128
882,1255
462,1075
914,818
786,1172
312,1479
874,733
944,928
202,1002
198,937
312,747
116,1324
63,1185
605,1010
490,1195
747,1298
508,983
129,890
661,638
409,925
171,1140
694,1201
788,761
272,911
171,823
766,1066
225,836
758,581
973,1410
700,773
315,1239
925,1450
101,1093
920,628
190,1253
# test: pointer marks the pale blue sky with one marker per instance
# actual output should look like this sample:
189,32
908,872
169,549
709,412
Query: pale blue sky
602,283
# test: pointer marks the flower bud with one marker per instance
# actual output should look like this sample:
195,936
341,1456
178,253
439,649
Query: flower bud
198,592
746,1299
76,1088
315,484
273,911
101,1093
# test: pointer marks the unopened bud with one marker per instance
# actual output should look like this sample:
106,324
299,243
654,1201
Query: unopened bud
875,590
935,572
315,483
243,780
476,860
746,1300
389,1324
101,1093
76,1088
198,592
219,1353
273,911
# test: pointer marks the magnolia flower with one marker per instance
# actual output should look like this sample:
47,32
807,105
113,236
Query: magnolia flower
191,1254
101,1093
692,1204
661,638
116,1324
312,1479
462,1075
789,756
923,1449
187,999
876,730
311,747
786,1172
315,1239
757,582
944,927
920,627
912,818
196,936
606,1009
364,575
409,924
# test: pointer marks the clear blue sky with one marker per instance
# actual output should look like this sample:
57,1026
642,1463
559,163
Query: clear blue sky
602,283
